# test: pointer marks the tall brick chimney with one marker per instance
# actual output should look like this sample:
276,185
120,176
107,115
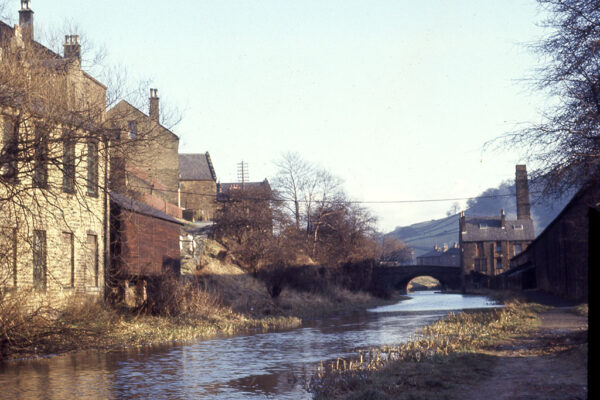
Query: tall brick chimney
154,111
26,21
523,205
72,47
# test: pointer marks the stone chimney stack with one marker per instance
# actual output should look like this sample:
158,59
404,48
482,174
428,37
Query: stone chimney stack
503,219
523,205
72,47
26,21
154,111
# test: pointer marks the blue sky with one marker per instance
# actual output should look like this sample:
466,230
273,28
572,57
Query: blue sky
396,97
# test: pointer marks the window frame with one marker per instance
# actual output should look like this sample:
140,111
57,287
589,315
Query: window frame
40,259
93,159
68,163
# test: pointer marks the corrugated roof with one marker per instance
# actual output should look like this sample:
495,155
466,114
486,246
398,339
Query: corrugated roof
196,167
140,208
480,229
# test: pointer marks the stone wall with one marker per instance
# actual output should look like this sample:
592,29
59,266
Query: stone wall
199,196
153,151
61,233
495,255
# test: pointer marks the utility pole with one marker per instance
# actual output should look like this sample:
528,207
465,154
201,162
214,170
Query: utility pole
243,173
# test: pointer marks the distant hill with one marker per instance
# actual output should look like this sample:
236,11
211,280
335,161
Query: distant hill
422,236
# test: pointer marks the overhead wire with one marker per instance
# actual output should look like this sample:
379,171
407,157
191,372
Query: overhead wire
339,201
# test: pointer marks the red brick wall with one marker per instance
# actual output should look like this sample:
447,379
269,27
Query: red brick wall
148,244
162,205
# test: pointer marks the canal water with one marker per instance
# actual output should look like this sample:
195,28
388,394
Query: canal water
273,365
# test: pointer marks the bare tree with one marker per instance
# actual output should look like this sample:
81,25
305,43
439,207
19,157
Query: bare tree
292,180
564,148
244,223
323,199
394,249
346,233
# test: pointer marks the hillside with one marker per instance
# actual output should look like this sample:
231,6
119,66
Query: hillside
422,236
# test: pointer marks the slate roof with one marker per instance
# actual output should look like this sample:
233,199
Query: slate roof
141,208
196,167
481,229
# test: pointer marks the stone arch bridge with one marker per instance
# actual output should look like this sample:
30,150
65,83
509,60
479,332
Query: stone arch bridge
398,277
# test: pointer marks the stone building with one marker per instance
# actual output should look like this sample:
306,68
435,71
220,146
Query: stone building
144,154
558,261
441,256
53,167
145,216
198,186
488,243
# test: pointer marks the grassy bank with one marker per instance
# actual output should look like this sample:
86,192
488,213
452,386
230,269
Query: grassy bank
88,325
44,330
219,298
437,362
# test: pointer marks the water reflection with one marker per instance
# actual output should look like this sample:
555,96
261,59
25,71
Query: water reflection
266,365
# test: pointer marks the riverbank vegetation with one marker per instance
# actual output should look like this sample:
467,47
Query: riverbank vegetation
220,298
439,362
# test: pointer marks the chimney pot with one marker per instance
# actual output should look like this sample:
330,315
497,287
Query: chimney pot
72,48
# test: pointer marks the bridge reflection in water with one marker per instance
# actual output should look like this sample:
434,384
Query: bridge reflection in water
398,277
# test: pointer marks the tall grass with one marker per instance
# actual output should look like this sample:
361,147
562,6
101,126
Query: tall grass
33,324
462,332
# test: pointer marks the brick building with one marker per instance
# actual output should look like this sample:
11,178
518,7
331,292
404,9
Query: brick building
224,190
488,243
144,246
53,167
198,186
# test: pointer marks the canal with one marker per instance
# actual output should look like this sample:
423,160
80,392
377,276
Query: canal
274,365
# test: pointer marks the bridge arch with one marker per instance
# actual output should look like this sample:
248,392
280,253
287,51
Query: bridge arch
423,282
398,277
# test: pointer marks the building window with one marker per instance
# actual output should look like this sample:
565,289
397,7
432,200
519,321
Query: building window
69,254
39,259
479,249
517,248
518,227
499,263
133,129
498,247
9,151
92,168
481,265
91,262
483,225
8,256
40,171
68,164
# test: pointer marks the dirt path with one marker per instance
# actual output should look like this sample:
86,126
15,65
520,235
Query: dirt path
550,363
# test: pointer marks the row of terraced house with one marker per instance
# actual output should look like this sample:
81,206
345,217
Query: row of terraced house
92,200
